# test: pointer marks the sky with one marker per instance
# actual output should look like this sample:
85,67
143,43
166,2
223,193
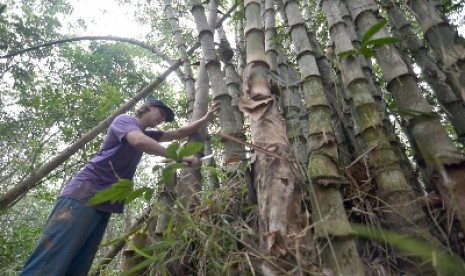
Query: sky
105,17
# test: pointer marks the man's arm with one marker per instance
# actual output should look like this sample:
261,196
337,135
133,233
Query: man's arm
144,143
191,128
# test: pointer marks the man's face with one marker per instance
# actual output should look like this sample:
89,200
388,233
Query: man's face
156,115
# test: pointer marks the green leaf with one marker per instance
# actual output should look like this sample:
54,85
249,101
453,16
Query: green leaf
373,30
190,149
219,173
382,41
169,229
166,176
148,194
117,192
139,252
367,52
168,172
173,151
442,261
175,166
135,194
348,53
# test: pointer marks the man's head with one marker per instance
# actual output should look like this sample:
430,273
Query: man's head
150,104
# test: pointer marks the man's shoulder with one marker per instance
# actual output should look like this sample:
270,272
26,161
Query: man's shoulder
123,124
125,117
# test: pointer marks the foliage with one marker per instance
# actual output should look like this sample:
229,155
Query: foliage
442,261
211,234
51,97
450,6
318,26
367,44
20,230
123,189
60,93
176,152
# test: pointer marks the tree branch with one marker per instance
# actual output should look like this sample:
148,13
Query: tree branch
10,197
81,38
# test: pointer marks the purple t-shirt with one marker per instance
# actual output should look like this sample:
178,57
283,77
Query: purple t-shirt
115,159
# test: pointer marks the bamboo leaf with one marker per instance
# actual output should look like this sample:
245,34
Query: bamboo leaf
382,41
372,31
118,192
442,261
348,53
190,149
139,251
367,52
145,263
169,229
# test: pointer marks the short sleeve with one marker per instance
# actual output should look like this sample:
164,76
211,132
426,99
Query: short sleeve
154,134
122,125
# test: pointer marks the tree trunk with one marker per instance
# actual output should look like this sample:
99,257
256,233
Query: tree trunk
452,105
189,76
381,106
191,178
275,178
284,76
232,151
233,84
443,161
270,36
296,122
404,216
323,165
211,176
444,41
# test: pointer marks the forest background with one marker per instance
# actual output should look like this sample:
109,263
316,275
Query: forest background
334,115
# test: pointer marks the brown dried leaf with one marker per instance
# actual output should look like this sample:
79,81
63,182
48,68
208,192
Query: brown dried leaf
274,240
255,109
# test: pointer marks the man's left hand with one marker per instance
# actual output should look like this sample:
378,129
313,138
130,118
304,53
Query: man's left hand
212,111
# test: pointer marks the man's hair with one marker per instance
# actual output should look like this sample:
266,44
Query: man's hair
141,110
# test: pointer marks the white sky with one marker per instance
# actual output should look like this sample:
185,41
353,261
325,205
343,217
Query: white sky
105,17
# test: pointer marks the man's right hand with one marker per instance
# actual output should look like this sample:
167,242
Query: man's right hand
191,161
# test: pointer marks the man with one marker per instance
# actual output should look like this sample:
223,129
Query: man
74,230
